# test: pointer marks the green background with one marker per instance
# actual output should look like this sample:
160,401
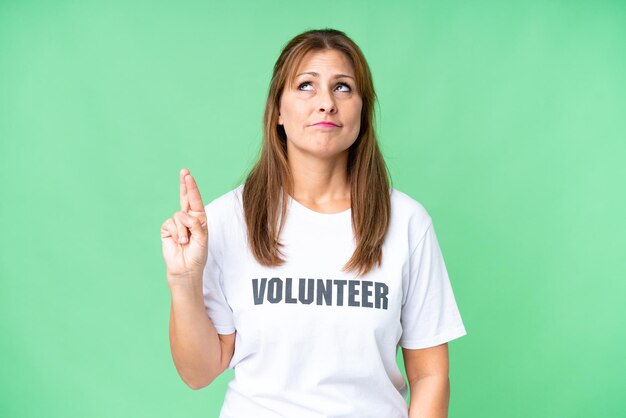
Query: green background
506,120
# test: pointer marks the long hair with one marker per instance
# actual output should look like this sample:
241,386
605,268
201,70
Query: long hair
269,184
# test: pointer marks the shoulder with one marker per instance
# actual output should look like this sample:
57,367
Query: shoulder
225,203
225,218
226,208
407,207
409,214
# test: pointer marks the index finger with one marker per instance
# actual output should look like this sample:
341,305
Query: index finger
184,200
193,194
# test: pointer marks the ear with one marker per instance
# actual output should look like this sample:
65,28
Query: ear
280,119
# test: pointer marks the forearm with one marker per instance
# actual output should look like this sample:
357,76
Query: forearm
194,342
430,397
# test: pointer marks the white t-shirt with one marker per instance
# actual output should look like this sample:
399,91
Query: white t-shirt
313,341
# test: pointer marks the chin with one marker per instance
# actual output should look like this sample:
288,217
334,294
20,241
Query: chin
321,147
327,152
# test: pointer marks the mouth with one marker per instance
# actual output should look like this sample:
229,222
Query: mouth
326,124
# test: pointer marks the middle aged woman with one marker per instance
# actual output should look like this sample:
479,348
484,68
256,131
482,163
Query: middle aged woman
308,277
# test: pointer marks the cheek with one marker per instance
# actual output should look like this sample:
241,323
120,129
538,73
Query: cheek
357,115
291,114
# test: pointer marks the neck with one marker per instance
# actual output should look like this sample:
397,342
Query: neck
320,181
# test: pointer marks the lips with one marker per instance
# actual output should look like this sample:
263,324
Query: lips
323,123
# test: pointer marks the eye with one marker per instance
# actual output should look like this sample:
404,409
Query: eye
303,84
346,85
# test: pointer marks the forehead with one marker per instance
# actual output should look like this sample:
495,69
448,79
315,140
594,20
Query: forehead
324,61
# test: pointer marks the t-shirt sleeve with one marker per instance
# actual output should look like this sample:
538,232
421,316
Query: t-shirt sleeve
215,302
429,315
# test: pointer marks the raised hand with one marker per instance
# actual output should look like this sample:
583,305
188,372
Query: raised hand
184,236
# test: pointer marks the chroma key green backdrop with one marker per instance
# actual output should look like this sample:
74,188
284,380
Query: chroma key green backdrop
505,119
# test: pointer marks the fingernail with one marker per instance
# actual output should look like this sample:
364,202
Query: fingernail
182,239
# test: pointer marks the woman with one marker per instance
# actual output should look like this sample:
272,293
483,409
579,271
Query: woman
307,278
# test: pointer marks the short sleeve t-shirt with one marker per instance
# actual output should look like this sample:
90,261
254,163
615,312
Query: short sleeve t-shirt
316,342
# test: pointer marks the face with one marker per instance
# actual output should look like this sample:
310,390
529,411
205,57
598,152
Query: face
324,89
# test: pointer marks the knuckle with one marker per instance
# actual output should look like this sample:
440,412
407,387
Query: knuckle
170,222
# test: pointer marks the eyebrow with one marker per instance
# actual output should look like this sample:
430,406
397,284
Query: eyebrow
313,73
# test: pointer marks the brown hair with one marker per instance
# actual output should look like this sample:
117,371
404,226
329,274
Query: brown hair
269,184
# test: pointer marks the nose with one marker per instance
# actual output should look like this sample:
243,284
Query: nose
327,103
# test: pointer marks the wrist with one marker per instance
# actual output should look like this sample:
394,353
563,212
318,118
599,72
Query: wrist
185,283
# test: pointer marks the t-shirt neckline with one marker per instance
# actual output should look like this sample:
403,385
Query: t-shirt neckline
303,209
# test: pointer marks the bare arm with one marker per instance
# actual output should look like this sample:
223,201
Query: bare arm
427,370
199,352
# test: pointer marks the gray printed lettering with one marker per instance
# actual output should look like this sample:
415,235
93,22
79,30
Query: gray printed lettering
275,290
381,290
340,284
353,293
359,292
257,293
326,291
309,297
288,296
365,302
